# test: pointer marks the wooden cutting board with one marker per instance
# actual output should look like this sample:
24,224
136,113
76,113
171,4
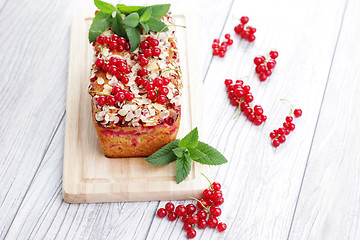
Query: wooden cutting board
88,175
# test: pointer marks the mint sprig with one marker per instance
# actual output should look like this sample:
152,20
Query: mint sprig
136,17
183,151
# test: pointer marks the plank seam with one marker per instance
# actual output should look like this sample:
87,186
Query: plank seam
36,172
317,121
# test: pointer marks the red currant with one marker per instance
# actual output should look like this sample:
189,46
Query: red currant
291,127
188,226
154,42
115,89
202,224
161,99
147,52
289,119
166,81
215,211
208,193
262,77
144,44
185,218
251,37
149,86
161,212
110,100
101,100
272,135
201,205
201,214
99,62
113,45
193,219
212,222
244,20
221,227
191,233
100,39
127,47
273,54
282,139
122,41
107,40
138,80
169,207
156,51
180,210
120,96
219,201
248,98
276,143
258,60
228,82
297,113
163,90
151,95
171,216
129,96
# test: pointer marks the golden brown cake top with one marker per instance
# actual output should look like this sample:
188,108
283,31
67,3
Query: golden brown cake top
139,88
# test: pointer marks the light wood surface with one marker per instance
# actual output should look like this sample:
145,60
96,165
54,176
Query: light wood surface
88,175
306,189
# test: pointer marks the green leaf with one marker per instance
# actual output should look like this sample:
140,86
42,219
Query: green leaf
156,25
146,15
183,167
104,7
212,156
100,23
128,9
179,152
145,27
165,155
160,10
118,26
132,20
134,37
196,153
190,140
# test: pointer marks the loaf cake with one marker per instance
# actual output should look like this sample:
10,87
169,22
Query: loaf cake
135,96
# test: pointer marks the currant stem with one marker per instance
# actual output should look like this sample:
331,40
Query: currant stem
100,93
170,25
239,109
169,69
291,106
200,203
206,178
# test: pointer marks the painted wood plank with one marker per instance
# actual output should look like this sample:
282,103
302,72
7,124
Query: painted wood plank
328,206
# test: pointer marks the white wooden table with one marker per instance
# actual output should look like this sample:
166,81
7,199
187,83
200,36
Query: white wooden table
307,189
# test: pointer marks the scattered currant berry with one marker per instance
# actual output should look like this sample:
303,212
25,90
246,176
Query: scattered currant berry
188,226
190,209
180,210
240,95
191,233
171,216
215,211
161,212
212,222
220,49
202,224
278,136
264,66
297,113
221,227
244,30
169,207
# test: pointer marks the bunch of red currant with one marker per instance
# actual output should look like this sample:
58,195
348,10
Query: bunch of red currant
156,89
244,30
241,96
115,42
265,65
206,216
220,50
278,136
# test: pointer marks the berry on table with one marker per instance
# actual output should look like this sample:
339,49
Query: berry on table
221,227
191,233
171,216
180,210
297,113
169,207
161,213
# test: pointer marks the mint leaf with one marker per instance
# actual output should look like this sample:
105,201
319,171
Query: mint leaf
196,154
190,140
183,167
118,26
156,25
146,15
164,155
104,7
160,10
145,27
132,20
128,9
179,152
100,23
134,37
212,156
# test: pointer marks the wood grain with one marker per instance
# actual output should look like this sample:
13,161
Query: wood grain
328,206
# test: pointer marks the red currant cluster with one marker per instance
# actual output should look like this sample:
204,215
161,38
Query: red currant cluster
206,216
265,65
156,90
278,136
148,48
241,96
220,50
116,67
244,30
115,42
117,94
